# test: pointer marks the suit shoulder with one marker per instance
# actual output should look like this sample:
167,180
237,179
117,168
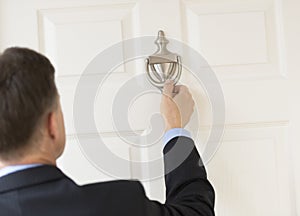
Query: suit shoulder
124,186
123,193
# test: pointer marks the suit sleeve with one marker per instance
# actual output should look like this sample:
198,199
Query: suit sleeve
188,191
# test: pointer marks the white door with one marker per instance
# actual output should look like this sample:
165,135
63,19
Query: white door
252,46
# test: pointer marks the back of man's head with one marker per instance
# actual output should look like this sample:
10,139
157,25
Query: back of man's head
27,91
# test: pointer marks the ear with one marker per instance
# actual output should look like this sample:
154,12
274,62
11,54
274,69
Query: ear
52,125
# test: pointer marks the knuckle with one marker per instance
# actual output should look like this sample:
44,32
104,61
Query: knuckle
183,88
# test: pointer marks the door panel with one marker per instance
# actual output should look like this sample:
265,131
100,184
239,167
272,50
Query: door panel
255,173
72,37
240,41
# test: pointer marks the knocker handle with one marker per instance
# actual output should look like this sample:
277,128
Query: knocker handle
163,64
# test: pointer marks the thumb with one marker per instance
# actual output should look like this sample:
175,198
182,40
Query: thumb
168,88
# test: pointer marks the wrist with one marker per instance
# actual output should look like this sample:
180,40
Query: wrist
169,127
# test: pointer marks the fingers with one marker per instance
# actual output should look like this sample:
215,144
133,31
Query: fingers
171,90
180,89
176,89
168,88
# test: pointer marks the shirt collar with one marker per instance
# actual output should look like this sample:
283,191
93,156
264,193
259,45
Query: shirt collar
15,168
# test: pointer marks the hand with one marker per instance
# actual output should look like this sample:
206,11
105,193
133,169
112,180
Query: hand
177,105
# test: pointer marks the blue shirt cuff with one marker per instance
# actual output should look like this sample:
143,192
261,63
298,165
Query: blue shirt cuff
175,132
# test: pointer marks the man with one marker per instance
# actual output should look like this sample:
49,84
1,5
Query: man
32,137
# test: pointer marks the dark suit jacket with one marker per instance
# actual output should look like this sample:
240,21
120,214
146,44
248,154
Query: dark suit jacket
45,190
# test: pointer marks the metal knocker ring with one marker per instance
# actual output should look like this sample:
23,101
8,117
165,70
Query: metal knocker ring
163,64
